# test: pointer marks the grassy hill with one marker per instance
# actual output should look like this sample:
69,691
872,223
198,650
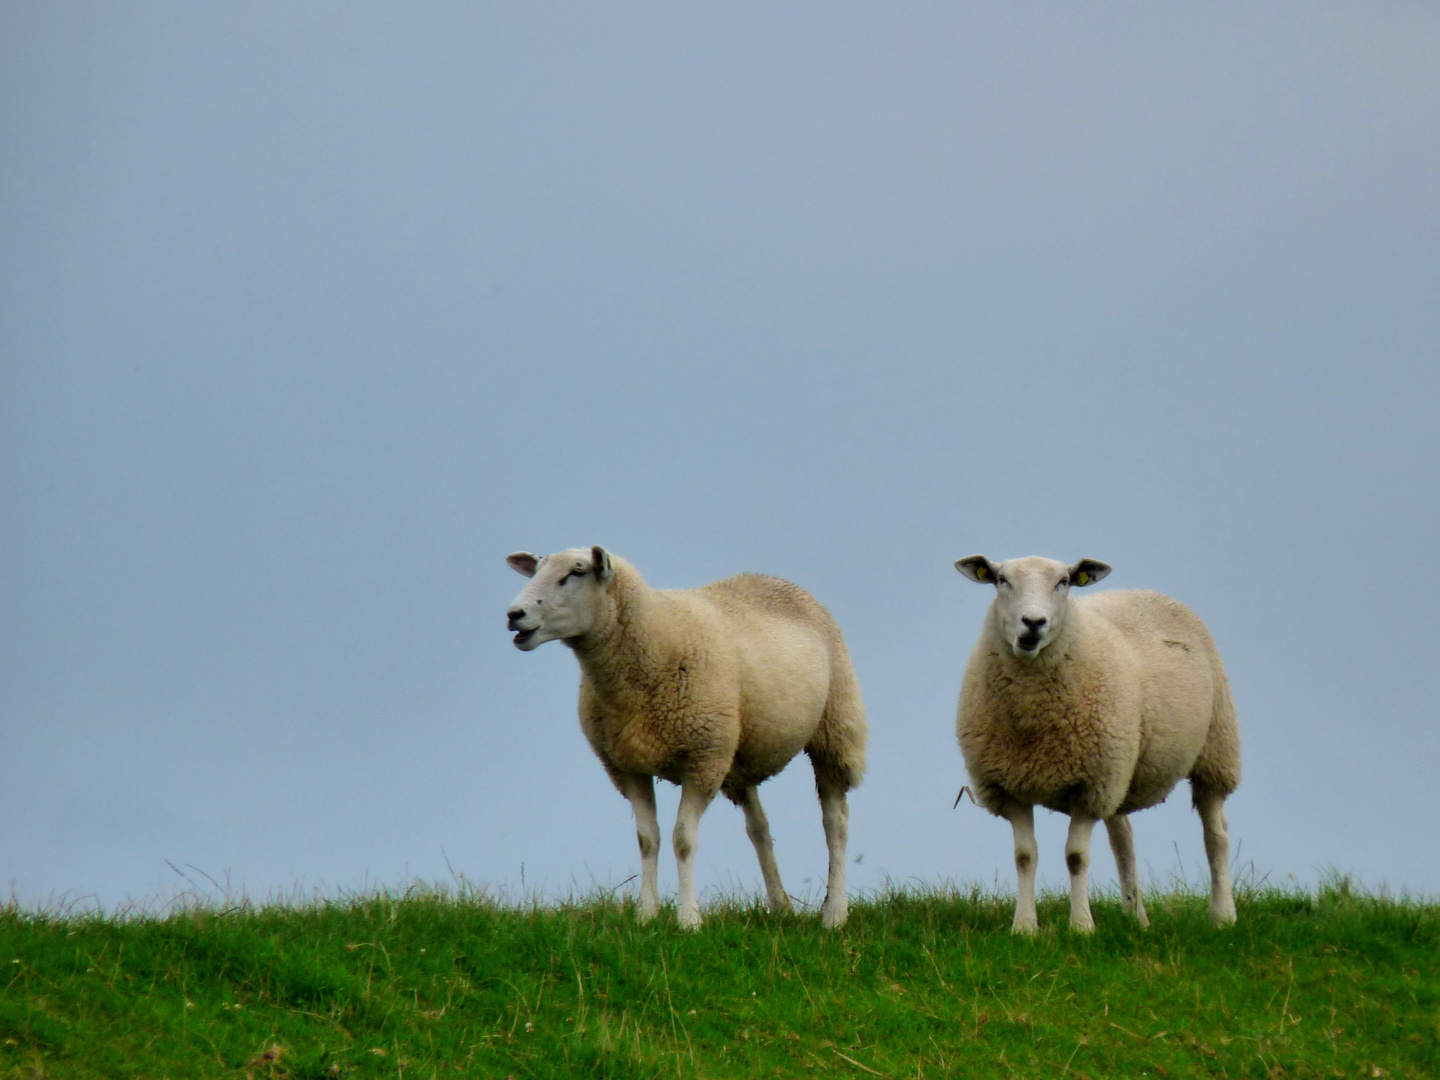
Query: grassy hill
919,984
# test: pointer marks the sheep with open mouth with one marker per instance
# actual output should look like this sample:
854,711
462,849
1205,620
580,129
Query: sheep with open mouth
714,689
1094,707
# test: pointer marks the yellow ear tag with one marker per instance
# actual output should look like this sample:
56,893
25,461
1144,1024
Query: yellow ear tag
1083,578
979,573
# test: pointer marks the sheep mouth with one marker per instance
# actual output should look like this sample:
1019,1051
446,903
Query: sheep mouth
1027,642
523,637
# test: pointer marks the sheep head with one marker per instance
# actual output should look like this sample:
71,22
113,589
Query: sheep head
560,601
1031,596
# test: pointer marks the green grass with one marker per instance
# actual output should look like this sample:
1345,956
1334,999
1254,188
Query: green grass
918,984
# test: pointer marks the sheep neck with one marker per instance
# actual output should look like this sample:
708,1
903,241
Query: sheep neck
616,654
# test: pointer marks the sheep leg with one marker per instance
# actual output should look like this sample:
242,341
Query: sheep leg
693,801
1077,858
1211,805
1022,821
640,790
757,827
1122,843
835,815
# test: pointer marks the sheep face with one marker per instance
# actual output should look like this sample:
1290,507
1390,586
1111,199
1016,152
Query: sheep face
1031,596
561,599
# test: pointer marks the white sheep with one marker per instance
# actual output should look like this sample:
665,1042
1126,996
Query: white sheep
1095,707
714,689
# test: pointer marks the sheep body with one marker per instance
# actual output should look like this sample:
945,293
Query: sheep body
1124,698
715,689
1060,735
744,666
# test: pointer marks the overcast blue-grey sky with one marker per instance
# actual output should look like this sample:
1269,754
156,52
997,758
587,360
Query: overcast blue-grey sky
309,314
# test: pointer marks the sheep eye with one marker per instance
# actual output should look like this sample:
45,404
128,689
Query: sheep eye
1002,579
1062,583
572,573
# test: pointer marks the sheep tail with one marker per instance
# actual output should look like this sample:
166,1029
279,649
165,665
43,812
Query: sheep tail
837,749
1218,767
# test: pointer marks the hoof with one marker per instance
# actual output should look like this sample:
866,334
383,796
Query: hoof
689,920
1136,906
831,918
1028,927
1085,927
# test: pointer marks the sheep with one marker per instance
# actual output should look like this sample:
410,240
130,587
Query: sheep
1095,707
714,689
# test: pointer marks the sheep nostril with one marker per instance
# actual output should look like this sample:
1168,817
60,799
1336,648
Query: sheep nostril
1032,623
514,615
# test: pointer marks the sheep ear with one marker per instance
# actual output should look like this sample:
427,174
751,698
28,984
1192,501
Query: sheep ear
977,568
522,562
604,568
1088,571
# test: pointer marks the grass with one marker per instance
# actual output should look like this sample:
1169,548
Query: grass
920,983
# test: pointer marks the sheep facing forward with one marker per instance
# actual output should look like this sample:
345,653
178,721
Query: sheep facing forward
1094,707
714,689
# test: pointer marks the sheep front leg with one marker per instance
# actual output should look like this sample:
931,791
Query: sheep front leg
1122,843
693,801
1077,858
757,827
1211,806
640,790
835,815
1022,821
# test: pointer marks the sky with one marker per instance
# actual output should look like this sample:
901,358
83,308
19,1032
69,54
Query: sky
310,314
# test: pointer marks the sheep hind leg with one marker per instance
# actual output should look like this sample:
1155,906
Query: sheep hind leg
640,790
1077,858
693,801
757,827
1122,843
835,816
1022,821
1210,803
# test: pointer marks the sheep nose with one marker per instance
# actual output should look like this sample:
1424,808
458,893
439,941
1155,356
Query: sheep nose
515,614
1033,622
